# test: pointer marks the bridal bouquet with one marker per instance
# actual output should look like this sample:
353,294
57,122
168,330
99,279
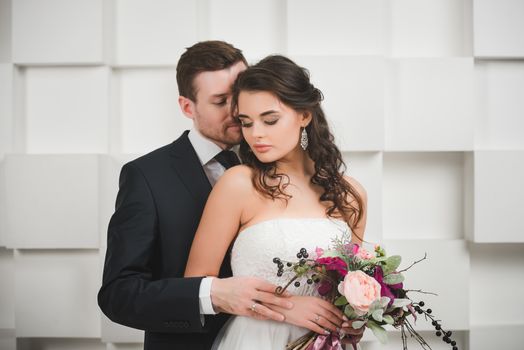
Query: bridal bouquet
366,285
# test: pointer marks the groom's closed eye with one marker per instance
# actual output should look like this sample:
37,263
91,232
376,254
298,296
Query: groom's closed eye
220,102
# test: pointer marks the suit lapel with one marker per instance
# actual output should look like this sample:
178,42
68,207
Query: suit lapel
188,167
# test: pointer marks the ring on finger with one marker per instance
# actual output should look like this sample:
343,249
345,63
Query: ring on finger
317,318
253,307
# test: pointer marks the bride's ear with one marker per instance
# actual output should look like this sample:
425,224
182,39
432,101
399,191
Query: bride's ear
306,118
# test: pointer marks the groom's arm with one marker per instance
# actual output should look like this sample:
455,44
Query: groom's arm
129,294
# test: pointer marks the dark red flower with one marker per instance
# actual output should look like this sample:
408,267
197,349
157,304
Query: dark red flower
385,289
334,264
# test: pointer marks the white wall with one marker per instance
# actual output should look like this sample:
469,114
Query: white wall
426,99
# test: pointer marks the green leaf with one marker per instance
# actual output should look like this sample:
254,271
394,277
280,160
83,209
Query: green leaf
400,303
376,305
358,324
379,332
384,301
392,263
341,300
331,254
377,315
394,278
378,259
388,319
350,312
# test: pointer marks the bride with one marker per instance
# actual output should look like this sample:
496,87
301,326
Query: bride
290,193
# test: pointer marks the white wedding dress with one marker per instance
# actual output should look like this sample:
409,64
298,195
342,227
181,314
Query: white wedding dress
252,255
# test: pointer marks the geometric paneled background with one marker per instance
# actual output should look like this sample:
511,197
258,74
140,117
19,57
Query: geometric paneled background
425,97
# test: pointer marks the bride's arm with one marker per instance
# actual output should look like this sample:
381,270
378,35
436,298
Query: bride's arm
360,228
218,225
217,229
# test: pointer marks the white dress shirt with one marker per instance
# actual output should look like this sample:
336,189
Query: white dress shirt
206,151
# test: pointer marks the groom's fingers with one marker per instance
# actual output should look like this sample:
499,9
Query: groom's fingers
267,287
271,299
267,313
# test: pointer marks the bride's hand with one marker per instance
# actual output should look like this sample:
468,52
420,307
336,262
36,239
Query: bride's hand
312,313
353,336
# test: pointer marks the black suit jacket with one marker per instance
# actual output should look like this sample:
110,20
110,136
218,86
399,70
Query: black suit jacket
158,208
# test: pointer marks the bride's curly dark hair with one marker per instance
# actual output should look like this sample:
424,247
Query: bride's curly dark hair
290,83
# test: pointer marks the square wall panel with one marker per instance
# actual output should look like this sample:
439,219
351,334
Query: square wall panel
60,344
255,27
496,274
498,28
116,333
498,193
5,31
150,116
57,31
496,337
6,109
337,27
3,206
154,33
125,346
431,28
7,290
52,201
366,168
7,339
500,105
423,195
429,104
66,110
355,111
445,272
68,283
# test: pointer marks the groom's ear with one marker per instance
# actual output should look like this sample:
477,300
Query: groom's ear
187,106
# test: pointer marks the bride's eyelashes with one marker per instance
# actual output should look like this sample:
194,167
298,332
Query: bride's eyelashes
246,124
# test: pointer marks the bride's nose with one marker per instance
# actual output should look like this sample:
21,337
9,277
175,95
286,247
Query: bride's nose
258,129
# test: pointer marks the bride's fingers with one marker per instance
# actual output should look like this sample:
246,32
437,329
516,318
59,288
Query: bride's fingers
332,310
312,326
325,323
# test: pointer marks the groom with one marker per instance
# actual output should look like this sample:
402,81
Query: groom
158,208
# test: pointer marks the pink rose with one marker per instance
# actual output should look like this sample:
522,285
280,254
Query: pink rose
360,291
319,252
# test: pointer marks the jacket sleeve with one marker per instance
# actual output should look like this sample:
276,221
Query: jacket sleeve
130,295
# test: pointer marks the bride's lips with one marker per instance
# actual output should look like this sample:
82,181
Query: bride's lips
262,148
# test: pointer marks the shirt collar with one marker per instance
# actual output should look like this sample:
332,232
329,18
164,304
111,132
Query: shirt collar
205,149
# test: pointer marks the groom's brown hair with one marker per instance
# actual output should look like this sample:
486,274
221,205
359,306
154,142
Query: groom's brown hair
204,56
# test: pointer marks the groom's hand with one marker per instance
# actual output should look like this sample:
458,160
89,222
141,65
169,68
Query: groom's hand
243,296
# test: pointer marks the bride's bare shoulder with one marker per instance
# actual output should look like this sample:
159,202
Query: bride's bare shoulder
236,180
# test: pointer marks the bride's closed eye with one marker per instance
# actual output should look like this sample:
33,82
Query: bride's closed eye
247,124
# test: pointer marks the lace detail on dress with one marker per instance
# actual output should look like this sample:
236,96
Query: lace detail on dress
256,246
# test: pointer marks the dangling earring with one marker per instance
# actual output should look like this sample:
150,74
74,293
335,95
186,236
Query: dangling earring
303,139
